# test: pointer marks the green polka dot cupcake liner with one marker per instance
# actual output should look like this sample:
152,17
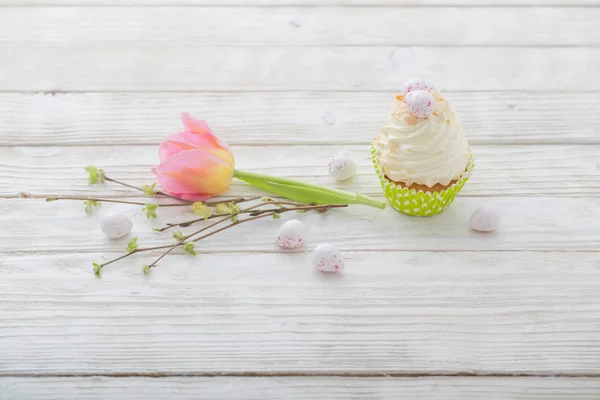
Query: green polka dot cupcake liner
419,204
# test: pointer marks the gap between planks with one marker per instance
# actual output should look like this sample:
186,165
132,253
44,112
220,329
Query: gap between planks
250,374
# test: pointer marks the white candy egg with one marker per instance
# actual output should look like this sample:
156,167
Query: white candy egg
291,235
342,167
327,258
415,84
115,226
485,219
420,103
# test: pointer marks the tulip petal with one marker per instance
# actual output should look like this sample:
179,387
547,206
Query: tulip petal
182,141
174,144
197,173
194,125
200,127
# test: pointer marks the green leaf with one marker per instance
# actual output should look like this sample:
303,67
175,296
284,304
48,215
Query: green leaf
89,206
189,247
132,245
157,229
146,269
276,216
49,199
97,269
149,189
201,209
150,210
234,219
178,235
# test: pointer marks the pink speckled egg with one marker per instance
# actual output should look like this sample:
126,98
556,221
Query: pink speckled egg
327,258
420,103
342,167
291,235
415,84
485,219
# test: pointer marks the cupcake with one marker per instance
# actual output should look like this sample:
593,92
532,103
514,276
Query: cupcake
422,156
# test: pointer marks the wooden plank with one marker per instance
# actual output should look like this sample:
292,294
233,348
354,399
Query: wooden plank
191,67
551,170
286,118
288,26
529,223
380,3
387,313
277,388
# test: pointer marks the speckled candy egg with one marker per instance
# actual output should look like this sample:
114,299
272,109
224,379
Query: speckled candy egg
342,167
115,226
415,84
327,258
485,219
420,103
291,235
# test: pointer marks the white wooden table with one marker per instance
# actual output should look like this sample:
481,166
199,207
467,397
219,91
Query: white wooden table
426,309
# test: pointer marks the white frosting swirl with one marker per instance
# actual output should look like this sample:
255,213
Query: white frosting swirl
424,151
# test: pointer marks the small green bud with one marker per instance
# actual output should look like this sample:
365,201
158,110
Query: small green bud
132,245
146,269
97,269
189,247
157,229
49,199
89,206
201,209
234,219
149,189
94,174
222,209
276,216
150,210
235,209
178,235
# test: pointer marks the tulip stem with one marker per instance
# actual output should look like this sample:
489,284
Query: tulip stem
305,192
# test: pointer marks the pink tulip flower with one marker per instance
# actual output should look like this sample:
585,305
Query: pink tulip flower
194,164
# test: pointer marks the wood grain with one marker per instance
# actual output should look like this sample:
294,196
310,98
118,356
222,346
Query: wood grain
293,26
286,118
222,388
467,312
528,223
193,67
500,171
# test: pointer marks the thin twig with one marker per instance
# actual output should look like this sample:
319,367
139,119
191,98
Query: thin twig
111,201
187,223
156,192
262,214
161,193
182,243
